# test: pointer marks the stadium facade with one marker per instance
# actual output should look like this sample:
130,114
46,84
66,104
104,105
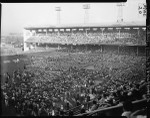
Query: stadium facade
121,34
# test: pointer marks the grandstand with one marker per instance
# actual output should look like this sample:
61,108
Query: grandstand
119,35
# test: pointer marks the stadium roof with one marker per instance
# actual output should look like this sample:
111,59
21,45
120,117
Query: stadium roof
124,24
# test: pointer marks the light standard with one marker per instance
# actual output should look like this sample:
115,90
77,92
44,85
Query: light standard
86,15
120,12
58,9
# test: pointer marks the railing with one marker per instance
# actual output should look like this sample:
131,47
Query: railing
76,110
115,110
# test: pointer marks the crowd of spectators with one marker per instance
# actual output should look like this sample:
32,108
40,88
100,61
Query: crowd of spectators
97,37
14,40
53,84
9,49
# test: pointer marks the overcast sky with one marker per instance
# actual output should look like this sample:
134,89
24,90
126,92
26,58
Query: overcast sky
17,15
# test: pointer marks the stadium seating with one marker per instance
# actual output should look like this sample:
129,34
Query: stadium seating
108,37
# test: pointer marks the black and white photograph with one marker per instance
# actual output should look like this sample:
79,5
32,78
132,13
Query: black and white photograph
74,59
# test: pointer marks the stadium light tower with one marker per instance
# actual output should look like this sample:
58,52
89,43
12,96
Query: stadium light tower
86,15
58,9
120,12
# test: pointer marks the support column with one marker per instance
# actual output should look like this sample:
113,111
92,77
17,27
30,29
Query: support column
46,32
138,37
58,47
26,35
118,49
25,48
100,48
71,48
46,47
119,34
35,45
86,47
137,51
103,34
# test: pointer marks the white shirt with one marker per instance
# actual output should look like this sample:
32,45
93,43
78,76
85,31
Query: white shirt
127,114
141,116
91,96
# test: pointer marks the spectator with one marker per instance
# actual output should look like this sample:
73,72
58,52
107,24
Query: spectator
82,109
127,109
70,113
78,103
94,106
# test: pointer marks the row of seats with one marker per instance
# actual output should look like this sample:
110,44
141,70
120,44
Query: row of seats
92,38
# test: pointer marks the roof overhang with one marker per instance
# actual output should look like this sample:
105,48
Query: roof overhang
90,25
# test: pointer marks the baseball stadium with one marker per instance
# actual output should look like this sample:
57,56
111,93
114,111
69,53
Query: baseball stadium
77,70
